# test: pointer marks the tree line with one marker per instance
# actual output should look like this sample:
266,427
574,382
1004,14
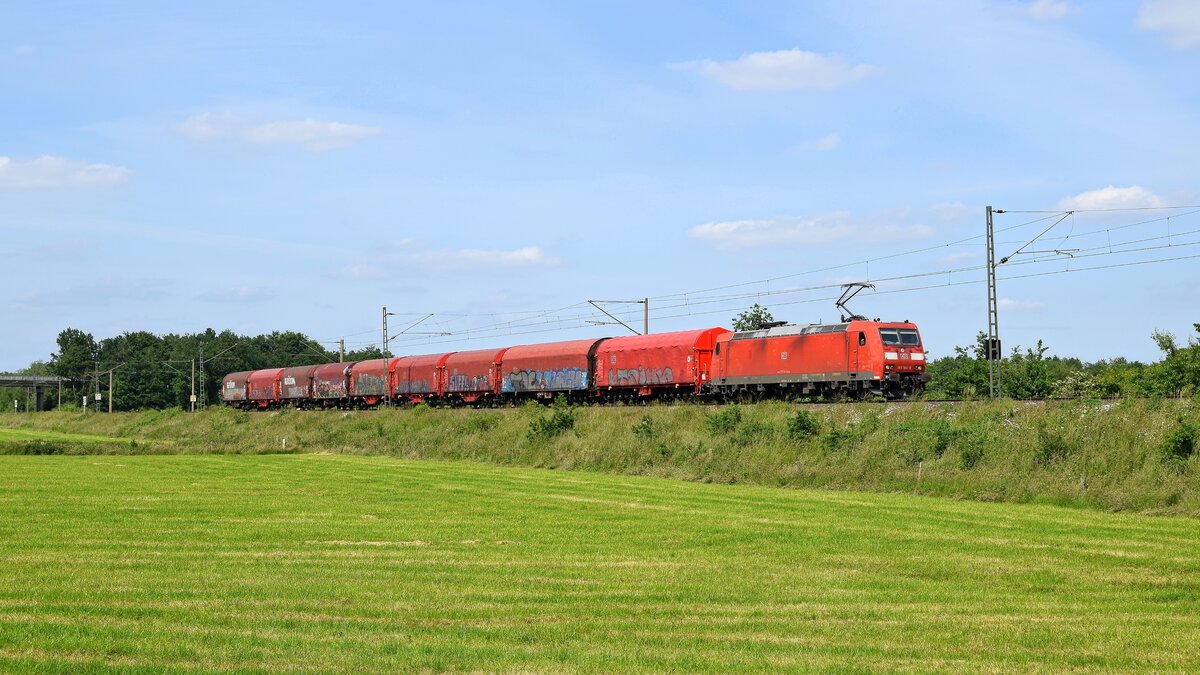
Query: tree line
156,371
1029,373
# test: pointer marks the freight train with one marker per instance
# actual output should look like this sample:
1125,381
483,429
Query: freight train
853,359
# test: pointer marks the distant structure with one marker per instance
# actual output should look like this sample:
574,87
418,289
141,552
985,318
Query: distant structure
36,382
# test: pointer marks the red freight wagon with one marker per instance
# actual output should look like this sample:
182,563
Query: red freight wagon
233,387
262,387
296,384
418,377
646,364
470,376
548,368
331,383
369,380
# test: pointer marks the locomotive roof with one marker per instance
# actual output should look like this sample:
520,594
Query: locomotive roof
792,329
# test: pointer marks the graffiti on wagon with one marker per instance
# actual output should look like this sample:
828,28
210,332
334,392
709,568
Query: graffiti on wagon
370,385
413,387
545,380
464,382
641,377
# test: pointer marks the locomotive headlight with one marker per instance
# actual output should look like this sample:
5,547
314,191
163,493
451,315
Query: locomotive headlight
889,366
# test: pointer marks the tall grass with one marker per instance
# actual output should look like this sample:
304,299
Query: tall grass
1126,455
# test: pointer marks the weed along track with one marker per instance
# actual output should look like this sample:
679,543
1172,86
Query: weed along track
338,563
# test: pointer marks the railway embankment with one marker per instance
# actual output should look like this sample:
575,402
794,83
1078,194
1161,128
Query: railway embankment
1126,455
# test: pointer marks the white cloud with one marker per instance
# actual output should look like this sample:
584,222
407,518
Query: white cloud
528,256
359,272
235,294
57,172
951,210
961,257
827,142
312,134
23,50
1009,303
1178,19
780,71
1046,10
810,230
100,291
207,126
1111,198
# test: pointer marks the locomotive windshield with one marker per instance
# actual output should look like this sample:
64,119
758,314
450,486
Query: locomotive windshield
899,336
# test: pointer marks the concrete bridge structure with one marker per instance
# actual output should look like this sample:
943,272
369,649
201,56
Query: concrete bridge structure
38,383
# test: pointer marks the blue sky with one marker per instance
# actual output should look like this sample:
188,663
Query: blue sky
298,166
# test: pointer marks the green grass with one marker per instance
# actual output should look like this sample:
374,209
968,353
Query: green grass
338,563
45,435
1137,456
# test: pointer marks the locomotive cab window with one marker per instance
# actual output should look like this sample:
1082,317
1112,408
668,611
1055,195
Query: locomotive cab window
862,338
909,337
718,349
890,336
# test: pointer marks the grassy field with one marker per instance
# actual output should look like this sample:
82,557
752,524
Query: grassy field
21,435
1138,456
320,562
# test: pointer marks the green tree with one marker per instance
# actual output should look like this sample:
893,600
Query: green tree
753,318
364,354
1178,374
76,359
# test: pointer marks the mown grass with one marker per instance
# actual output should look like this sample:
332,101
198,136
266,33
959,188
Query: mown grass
334,563
1135,455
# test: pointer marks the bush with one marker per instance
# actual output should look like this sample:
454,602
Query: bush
482,422
970,442
803,425
840,439
1052,446
1180,443
969,455
943,435
1077,384
726,420
754,432
561,420
644,429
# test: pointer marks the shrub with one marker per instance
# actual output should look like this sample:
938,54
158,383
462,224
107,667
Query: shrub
561,419
1180,443
1052,446
644,429
969,455
970,442
1077,384
840,439
726,420
943,435
753,432
482,422
803,425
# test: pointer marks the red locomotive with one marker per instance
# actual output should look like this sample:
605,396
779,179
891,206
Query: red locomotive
855,358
